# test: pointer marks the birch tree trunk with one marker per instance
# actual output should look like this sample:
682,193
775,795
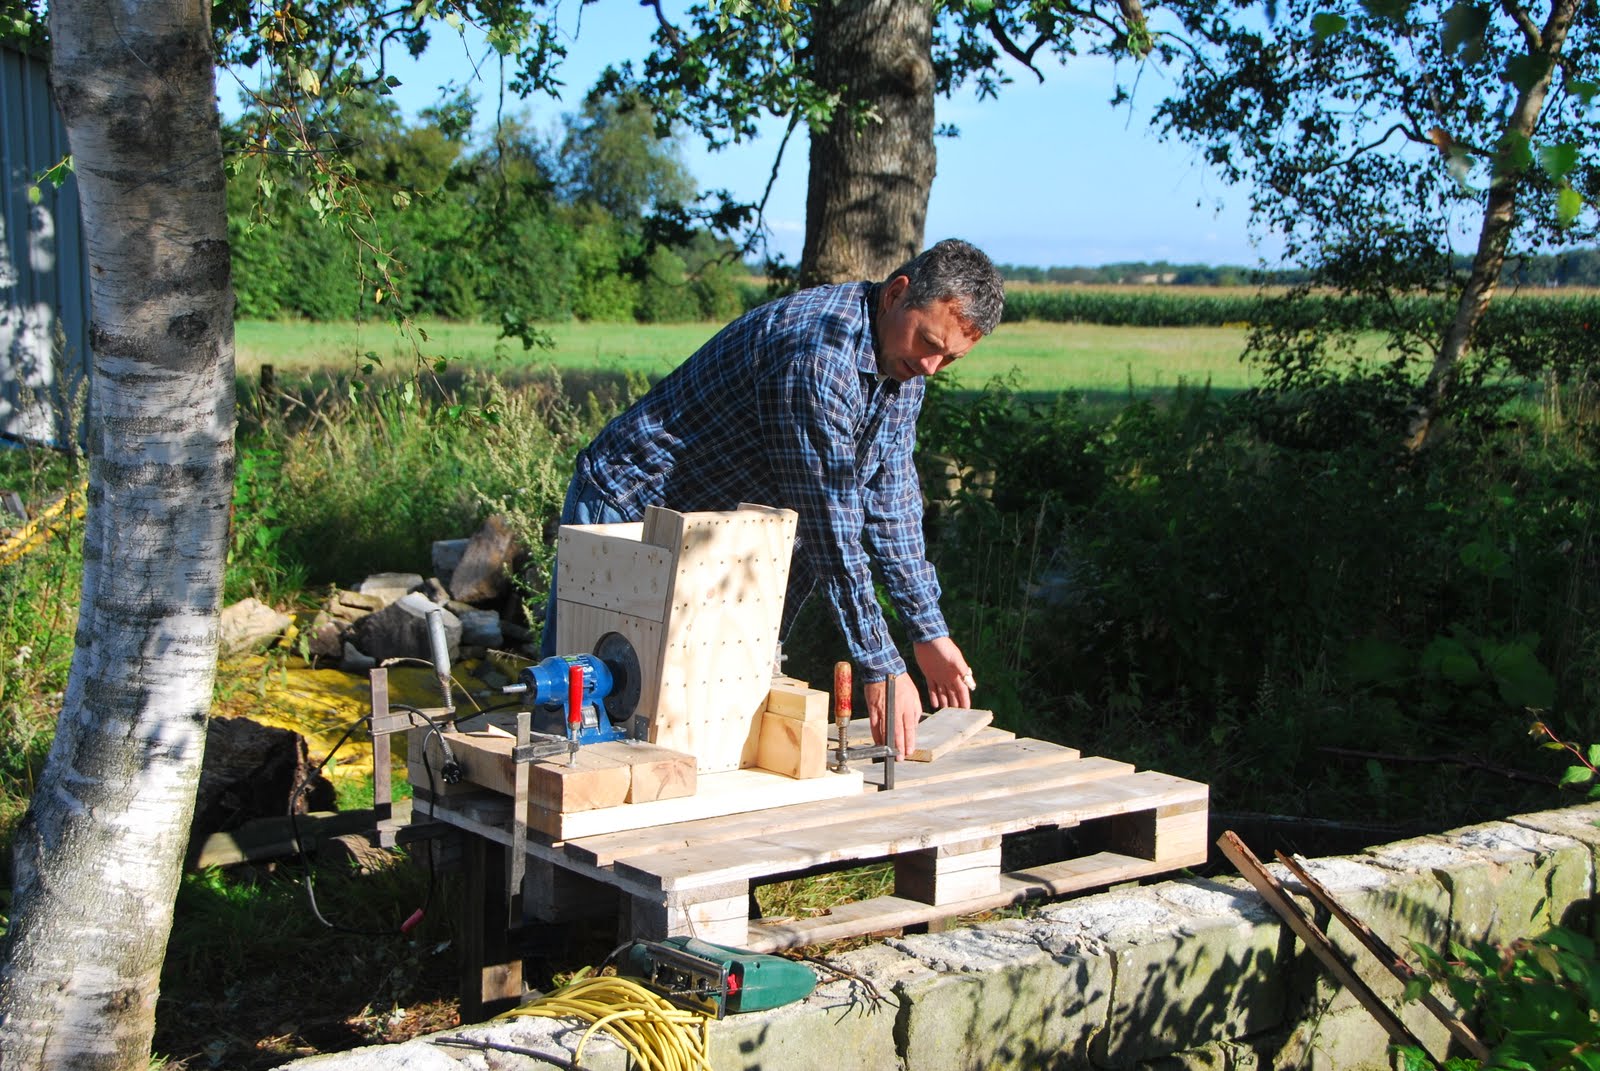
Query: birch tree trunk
98,857
867,195
1494,236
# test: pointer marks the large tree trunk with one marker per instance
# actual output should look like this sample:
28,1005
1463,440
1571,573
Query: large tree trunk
1494,236
867,199
99,854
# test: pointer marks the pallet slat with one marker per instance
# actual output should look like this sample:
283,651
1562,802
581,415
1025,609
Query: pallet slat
885,913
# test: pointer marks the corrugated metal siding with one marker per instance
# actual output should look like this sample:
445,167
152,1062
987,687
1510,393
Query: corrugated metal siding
44,277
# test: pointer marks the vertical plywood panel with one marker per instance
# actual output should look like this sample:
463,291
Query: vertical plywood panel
730,570
700,597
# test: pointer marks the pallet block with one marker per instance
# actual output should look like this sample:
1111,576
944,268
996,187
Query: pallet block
700,597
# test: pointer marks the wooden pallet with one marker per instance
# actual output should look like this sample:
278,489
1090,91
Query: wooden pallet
942,827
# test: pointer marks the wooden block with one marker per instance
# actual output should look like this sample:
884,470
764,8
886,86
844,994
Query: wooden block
593,780
793,747
950,873
658,773
801,702
946,730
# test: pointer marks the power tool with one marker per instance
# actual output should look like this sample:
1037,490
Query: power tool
588,698
716,979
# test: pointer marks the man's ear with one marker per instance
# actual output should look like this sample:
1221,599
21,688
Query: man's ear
895,288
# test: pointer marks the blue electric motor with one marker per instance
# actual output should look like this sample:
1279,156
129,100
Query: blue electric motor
608,696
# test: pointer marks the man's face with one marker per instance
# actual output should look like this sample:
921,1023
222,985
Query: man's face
917,342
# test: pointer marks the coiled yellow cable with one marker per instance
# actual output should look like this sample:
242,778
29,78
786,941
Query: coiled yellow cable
657,1034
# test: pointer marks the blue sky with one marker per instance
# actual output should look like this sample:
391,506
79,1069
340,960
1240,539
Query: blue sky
1047,174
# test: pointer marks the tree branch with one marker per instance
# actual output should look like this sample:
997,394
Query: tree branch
1009,47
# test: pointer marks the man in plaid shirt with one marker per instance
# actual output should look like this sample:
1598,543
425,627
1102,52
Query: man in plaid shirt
810,403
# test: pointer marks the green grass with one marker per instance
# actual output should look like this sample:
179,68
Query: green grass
1043,357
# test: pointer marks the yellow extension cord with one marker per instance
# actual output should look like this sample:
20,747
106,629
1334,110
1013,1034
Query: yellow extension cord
34,533
657,1034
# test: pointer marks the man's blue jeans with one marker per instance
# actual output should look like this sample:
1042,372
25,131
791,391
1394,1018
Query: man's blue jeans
584,505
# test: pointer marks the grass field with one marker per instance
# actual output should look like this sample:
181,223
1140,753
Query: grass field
1041,357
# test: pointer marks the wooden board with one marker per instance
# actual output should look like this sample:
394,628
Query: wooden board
946,730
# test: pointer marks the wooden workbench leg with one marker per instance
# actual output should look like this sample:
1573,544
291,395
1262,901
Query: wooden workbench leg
552,893
717,913
491,976
950,873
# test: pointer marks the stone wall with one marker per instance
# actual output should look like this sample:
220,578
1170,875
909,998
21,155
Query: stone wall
1183,974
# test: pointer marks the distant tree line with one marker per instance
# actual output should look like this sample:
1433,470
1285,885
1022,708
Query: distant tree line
588,222
1576,267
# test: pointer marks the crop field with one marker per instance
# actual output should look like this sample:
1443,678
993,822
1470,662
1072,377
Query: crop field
1033,357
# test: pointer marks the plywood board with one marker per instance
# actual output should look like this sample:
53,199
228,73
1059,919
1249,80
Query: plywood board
946,730
732,792
730,571
607,567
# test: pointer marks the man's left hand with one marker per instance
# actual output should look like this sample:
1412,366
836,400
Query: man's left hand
945,669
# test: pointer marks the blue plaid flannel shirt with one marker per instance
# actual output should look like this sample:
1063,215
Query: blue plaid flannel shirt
785,407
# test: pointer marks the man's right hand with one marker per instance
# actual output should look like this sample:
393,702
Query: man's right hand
902,726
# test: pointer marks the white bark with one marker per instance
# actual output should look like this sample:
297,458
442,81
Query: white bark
99,855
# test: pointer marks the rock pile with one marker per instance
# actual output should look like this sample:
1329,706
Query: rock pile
385,616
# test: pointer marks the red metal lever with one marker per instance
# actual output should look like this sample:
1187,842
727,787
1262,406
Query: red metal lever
575,696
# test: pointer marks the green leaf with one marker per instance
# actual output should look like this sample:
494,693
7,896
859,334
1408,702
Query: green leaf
1416,989
1524,72
1515,155
1387,9
35,194
1594,755
1370,660
1520,677
1325,24
309,82
1568,204
1464,25
1449,658
1584,91
1577,775
1558,160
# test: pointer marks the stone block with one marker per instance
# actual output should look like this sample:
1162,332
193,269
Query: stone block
996,997
249,623
481,574
400,630
445,555
839,1027
1189,967
389,587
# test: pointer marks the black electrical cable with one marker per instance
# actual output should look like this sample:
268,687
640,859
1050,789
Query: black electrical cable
299,843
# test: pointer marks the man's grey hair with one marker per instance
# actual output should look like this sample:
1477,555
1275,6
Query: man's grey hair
953,270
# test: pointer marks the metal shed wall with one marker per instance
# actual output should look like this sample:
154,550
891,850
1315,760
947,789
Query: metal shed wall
44,277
